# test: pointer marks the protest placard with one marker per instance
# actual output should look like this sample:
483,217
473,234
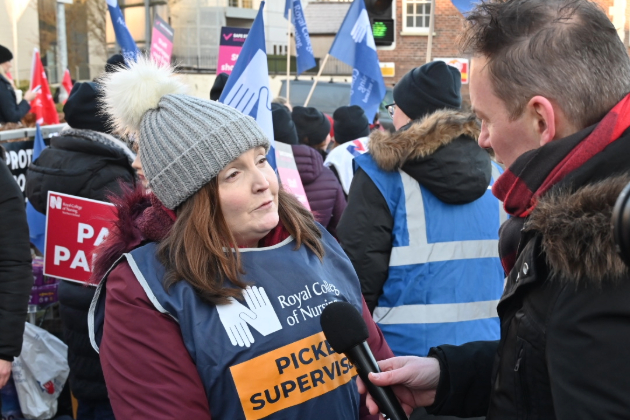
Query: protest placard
75,226
288,173
230,46
162,41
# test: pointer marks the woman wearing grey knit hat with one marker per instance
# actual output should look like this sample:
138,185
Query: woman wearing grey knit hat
211,305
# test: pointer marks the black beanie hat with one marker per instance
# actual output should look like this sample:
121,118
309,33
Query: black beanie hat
426,89
114,63
311,125
5,54
283,126
82,110
350,124
218,86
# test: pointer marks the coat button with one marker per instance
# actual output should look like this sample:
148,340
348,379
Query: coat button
525,268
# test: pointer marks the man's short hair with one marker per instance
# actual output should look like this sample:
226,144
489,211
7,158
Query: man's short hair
567,51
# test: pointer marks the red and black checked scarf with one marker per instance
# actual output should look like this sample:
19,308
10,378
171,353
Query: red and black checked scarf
535,172
521,186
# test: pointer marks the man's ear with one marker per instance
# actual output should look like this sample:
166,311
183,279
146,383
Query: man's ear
543,116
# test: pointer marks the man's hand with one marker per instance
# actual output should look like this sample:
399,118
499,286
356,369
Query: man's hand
414,380
5,372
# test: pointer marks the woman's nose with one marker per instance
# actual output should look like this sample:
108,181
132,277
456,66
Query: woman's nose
260,182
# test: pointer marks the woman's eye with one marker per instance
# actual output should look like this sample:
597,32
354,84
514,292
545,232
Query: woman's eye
262,160
232,175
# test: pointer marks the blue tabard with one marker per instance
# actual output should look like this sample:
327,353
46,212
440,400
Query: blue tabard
266,356
445,277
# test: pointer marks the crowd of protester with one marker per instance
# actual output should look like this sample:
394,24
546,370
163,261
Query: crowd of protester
476,244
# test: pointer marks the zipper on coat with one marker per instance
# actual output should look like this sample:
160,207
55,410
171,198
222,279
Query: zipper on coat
518,361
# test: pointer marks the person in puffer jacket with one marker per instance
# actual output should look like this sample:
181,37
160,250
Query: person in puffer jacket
16,275
84,161
322,188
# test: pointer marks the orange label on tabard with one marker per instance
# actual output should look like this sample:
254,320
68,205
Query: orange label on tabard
289,376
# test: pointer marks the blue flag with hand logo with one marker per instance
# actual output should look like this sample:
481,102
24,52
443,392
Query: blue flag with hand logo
36,220
123,36
354,45
303,47
247,88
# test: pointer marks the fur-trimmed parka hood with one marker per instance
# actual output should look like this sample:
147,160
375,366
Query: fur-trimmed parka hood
84,163
101,138
440,151
577,234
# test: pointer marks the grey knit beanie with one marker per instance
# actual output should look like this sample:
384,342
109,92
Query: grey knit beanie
184,141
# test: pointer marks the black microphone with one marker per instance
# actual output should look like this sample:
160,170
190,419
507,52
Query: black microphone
347,333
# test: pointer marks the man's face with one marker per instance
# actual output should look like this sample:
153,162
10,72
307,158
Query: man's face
508,138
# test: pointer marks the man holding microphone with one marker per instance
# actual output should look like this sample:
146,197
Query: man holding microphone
549,83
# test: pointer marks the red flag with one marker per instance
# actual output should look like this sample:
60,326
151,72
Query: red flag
43,105
66,86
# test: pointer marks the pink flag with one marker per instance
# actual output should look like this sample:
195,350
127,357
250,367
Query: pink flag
43,105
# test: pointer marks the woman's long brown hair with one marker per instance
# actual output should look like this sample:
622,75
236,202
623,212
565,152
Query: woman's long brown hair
198,247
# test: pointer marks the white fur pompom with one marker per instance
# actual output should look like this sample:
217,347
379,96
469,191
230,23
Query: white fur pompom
133,90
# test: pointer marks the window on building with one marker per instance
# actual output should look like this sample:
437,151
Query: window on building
244,4
416,15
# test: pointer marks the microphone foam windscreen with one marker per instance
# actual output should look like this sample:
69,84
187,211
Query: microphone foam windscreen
343,326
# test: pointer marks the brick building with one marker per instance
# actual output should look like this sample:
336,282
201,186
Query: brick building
411,33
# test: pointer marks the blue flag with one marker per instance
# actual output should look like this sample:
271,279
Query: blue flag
354,45
303,47
123,36
464,6
247,88
36,220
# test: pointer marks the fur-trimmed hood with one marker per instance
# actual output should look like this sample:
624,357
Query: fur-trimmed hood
102,138
440,151
577,234
78,162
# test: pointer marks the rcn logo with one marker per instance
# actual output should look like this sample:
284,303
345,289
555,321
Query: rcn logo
258,314
55,202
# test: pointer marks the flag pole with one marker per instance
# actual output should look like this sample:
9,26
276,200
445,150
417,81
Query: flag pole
16,77
431,27
289,57
319,73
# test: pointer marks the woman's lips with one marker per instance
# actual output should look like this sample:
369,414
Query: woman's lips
264,206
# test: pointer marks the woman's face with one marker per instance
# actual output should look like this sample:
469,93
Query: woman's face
6,66
248,194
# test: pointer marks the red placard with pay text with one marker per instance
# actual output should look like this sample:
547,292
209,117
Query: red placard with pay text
75,226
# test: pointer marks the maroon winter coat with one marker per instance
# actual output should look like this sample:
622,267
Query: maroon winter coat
323,190
173,387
